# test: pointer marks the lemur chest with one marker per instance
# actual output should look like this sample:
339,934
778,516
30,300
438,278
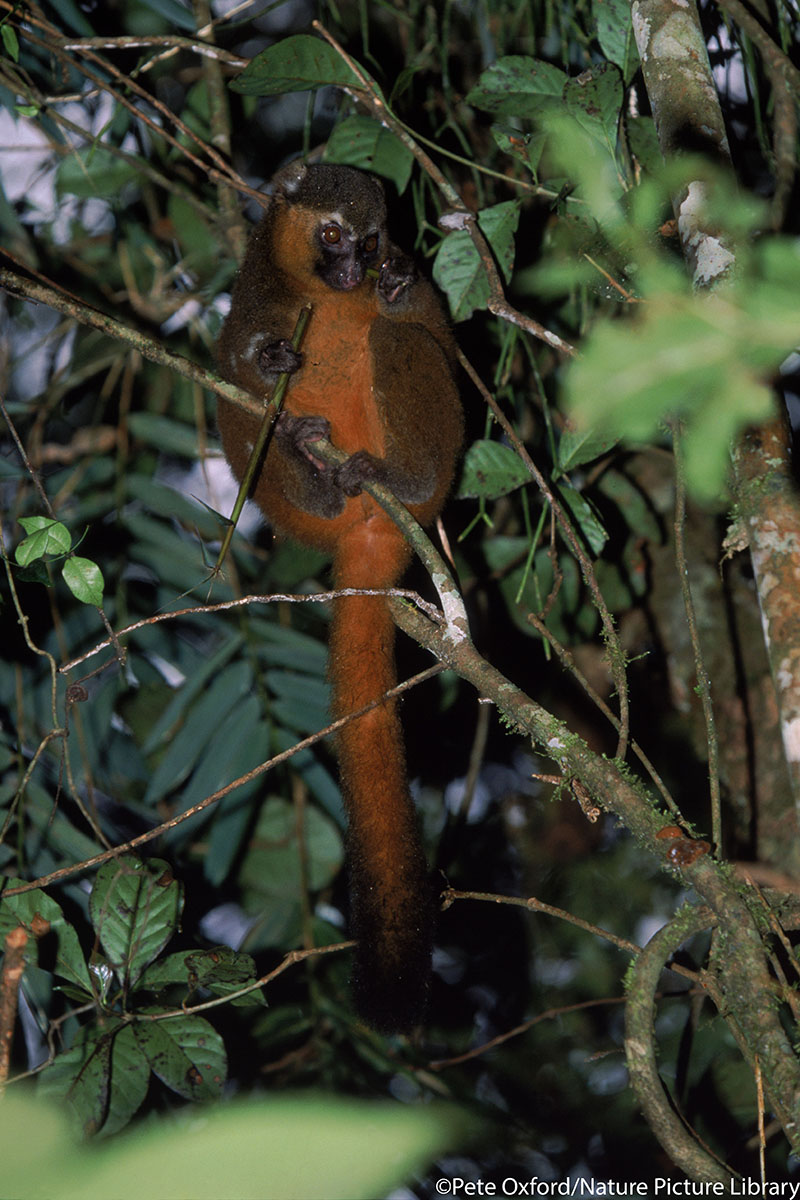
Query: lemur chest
337,376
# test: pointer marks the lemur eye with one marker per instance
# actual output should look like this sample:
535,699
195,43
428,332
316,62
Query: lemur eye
370,244
331,234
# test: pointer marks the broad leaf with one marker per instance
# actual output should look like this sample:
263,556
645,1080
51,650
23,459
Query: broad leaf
135,907
295,65
186,1053
491,470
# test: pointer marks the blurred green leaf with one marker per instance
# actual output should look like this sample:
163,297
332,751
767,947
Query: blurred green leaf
594,99
304,1147
90,171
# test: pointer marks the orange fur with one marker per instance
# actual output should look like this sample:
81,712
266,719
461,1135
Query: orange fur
380,372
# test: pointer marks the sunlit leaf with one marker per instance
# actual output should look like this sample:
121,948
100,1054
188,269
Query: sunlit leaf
84,579
45,536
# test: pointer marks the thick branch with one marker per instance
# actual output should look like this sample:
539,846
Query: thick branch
683,1148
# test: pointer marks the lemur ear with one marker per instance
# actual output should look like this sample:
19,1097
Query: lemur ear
288,179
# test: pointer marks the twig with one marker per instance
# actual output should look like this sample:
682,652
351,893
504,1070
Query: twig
15,945
550,1014
569,662
202,610
294,956
703,681
217,170
271,412
64,302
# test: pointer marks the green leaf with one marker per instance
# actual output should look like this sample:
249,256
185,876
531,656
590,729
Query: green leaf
517,86
103,1078
220,970
240,743
578,446
300,703
614,24
167,435
82,1077
362,142
171,14
186,1053
130,1076
594,99
634,504
91,171
458,269
45,536
135,907
585,517
34,909
161,729
280,646
499,223
84,579
527,147
294,65
491,470
272,875
697,358
643,142
302,1147
188,745
10,41
273,865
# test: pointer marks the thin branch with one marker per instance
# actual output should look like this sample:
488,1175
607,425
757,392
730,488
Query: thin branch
172,42
701,674
568,661
70,305
202,610
218,169
293,956
15,944
549,1014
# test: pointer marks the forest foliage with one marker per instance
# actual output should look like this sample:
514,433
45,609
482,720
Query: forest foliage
605,751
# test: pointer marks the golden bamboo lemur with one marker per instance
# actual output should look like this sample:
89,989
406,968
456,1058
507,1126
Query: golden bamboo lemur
376,377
